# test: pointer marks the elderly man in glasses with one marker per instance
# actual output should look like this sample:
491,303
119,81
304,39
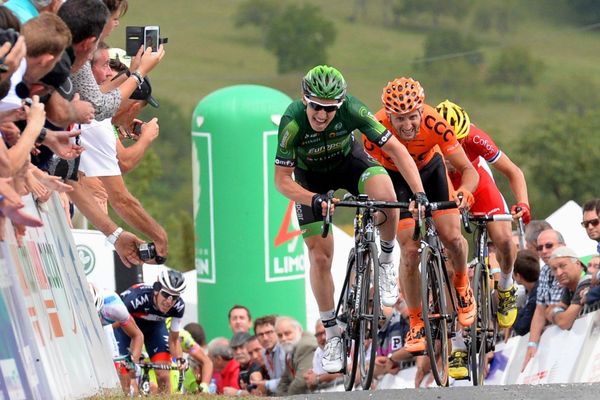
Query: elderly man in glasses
549,292
570,274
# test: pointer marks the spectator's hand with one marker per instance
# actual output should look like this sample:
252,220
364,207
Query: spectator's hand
84,111
149,60
150,130
59,142
12,56
10,132
161,243
531,351
37,188
311,379
11,200
127,249
16,114
260,385
36,116
54,183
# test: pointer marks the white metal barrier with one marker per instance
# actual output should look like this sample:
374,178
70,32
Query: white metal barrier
52,345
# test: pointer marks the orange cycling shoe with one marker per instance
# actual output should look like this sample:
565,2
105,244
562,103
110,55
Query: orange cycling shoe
416,339
467,309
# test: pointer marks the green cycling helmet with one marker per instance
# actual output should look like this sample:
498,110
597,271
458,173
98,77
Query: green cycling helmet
324,82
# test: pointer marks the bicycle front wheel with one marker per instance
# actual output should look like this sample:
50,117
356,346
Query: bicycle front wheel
479,330
348,318
369,317
435,314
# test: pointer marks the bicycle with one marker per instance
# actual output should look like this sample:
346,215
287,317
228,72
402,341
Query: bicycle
144,379
483,332
438,317
358,310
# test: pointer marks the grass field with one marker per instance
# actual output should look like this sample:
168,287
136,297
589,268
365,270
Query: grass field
206,52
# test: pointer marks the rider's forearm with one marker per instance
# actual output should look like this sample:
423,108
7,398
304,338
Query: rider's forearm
469,178
405,164
286,185
537,323
518,185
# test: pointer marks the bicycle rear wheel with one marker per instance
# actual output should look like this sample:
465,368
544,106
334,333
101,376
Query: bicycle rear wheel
348,315
435,313
369,317
479,329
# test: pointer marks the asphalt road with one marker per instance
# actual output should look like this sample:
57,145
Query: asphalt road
575,391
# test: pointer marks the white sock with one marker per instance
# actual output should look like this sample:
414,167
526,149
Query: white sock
458,342
387,247
331,327
506,281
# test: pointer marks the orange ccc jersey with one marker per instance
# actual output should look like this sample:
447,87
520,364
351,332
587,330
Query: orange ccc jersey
434,135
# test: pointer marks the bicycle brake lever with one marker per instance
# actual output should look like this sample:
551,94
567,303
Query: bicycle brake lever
327,218
464,215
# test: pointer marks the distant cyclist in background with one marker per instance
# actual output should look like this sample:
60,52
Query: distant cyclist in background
150,306
489,201
112,311
425,134
316,153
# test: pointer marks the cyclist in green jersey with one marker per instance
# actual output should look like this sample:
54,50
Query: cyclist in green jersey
317,152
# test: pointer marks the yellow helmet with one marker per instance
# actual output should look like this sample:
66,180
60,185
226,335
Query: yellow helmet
456,116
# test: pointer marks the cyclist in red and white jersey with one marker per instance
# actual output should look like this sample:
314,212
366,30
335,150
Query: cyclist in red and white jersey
489,201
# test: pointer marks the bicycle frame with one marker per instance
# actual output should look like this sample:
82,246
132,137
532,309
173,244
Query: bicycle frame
482,334
144,380
354,306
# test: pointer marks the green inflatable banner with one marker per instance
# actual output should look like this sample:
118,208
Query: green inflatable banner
249,249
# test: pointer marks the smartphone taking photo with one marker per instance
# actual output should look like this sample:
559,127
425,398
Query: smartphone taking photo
151,37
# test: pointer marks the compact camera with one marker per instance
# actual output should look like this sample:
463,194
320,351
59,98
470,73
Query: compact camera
146,36
147,252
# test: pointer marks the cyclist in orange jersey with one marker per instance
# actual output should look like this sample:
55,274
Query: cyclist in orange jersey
425,134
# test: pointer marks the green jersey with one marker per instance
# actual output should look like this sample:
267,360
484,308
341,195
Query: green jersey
299,145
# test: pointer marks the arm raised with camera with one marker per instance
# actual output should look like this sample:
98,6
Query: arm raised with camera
131,210
129,157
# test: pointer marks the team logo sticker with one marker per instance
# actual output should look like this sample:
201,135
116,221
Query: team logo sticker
87,258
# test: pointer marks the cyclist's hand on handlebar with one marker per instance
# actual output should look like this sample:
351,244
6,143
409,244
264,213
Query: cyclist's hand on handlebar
319,204
182,364
521,210
418,204
464,198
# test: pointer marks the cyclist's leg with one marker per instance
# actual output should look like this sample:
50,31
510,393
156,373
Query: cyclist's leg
320,256
157,345
489,200
365,175
123,343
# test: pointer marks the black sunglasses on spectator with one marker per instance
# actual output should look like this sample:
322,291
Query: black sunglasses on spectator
594,222
548,246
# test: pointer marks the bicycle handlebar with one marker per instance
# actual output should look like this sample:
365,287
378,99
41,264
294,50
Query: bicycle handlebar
169,367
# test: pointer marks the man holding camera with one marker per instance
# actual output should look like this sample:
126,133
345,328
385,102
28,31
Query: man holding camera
150,306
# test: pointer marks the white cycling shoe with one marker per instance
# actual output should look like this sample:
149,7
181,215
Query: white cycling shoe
333,361
388,284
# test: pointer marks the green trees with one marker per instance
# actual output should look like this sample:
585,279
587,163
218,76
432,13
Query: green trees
516,67
560,158
297,35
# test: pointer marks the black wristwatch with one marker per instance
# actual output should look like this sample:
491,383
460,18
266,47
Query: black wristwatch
42,136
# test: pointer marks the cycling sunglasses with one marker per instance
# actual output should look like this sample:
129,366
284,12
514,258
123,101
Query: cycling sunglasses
318,106
168,295
594,222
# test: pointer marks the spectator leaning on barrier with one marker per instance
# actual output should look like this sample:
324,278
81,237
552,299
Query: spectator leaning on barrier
273,354
299,348
226,370
317,378
549,292
593,268
526,272
570,273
